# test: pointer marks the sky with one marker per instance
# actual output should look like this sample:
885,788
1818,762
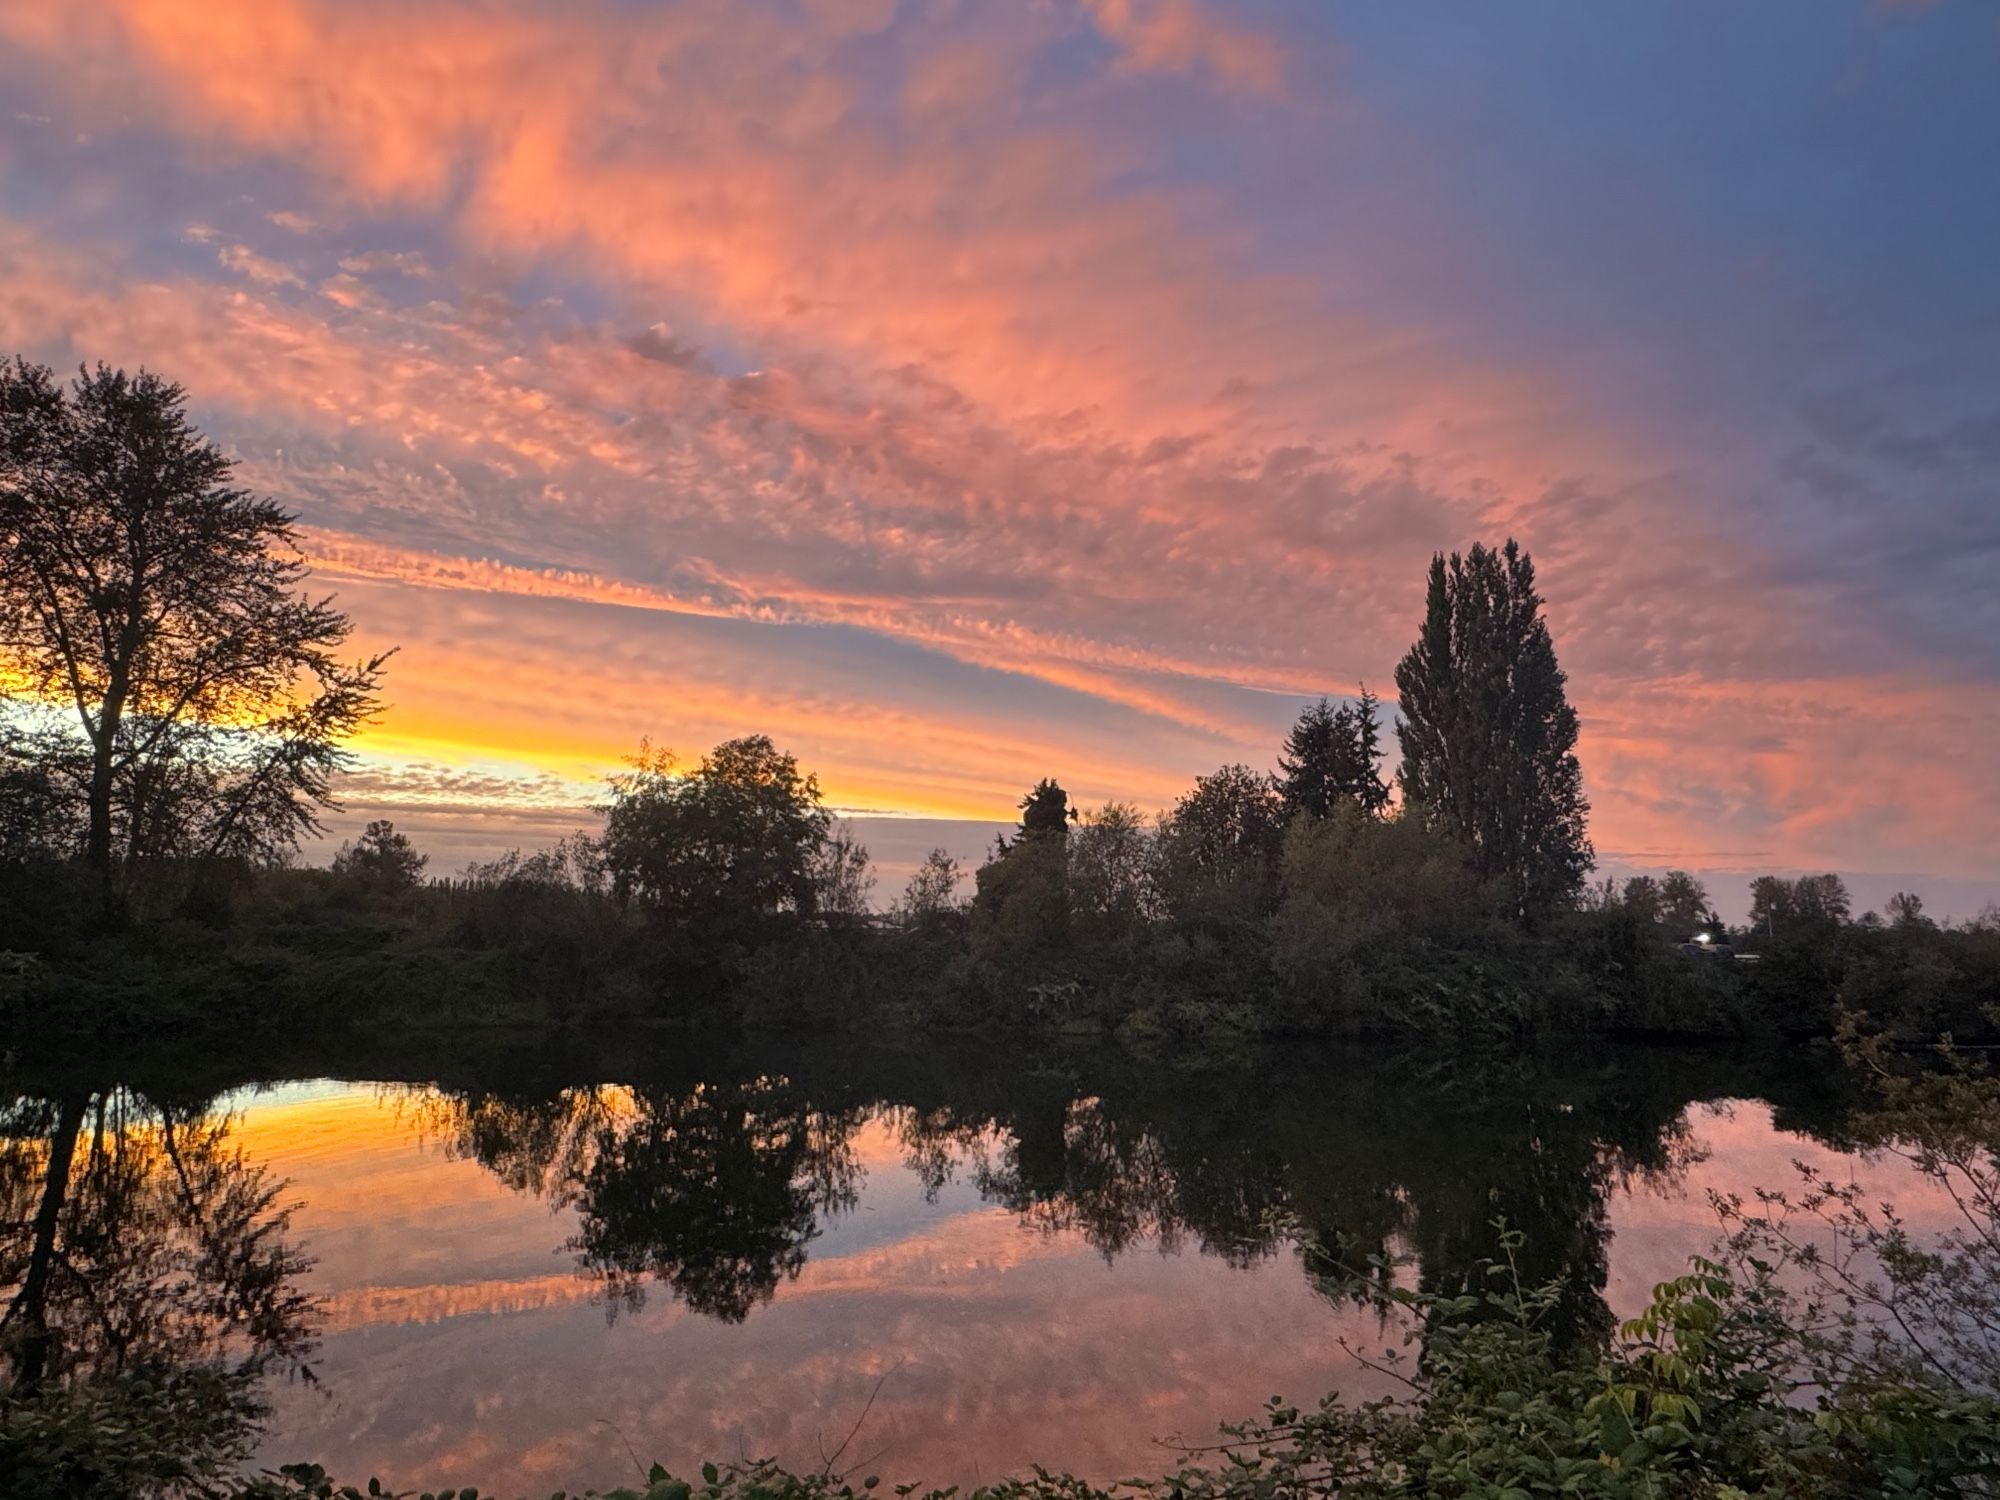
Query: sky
965,393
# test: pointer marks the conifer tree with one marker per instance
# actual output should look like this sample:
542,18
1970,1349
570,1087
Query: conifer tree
1487,731
1331,755
1306,764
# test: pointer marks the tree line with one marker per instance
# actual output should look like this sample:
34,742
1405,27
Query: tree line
177,709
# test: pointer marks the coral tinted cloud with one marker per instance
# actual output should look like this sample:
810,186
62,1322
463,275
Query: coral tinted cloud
965,394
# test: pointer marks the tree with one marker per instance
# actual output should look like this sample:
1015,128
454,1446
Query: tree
1684,904
1217,851
1771,904
1778,904
382,858
1821,900
1333,755
1487,731
1110,858
1351,881
739,837
841,876
38,805
1021,895
142,593
1906,911
1641,897
931,898
1046,809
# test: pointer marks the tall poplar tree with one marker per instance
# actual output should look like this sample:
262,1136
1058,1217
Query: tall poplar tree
1487,731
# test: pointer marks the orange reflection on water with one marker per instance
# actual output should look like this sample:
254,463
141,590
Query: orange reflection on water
462,1345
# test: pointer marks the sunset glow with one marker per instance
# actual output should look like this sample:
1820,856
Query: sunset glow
965,394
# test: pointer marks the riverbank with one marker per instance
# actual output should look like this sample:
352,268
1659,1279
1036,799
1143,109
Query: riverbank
306,953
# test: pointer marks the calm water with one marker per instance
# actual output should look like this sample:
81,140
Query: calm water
529,1266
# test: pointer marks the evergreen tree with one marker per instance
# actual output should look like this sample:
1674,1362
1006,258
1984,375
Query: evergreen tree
1487,731
1334,755
1046,809
1357,769
1021,895
382,858
1306,764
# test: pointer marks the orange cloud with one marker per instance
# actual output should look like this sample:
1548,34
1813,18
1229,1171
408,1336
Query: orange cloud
873,329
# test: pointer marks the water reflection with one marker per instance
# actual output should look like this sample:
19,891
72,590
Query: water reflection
900,1197
147,1269
715,1190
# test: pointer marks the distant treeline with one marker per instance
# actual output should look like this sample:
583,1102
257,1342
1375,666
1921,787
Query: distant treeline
174,710
723,892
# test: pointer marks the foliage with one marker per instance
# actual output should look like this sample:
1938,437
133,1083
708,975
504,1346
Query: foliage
740,838
840,876
1487,732
153,1289
1218,850
1110,876
1812,903
930,903
160,607
1046,808
1334,755
1874,1301
1020,900
381,860
1684,905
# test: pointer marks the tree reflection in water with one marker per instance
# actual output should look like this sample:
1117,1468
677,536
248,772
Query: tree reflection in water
149,1285
717,1189
150,1282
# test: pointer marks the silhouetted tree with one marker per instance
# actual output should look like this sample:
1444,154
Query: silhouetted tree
1110,889
1906,910
737,838
1021,895
161,606
1778,905
930,902
1684,904
382,858
1821,900
1487,731
1217,851
38,804
1641,899
1046,809
1771,904
1305,764
1331,755
841,876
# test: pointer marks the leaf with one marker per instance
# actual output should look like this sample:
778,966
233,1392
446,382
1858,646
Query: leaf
1616,1429
710,1473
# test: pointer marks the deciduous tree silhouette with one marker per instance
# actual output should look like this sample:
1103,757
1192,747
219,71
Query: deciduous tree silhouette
161,606
1218,849
740,837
